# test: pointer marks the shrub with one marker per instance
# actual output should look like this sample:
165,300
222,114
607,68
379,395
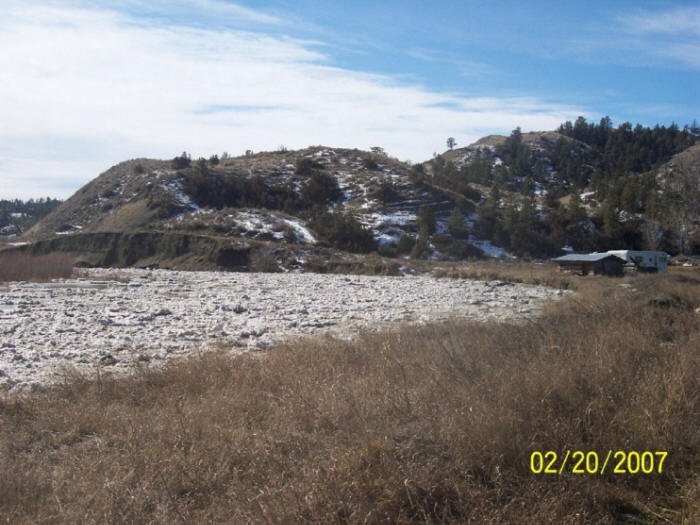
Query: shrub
387,250
469,192
290,235
421,248
320,190
455,248
21,266
263,261
219,190
201,166
253,191
342,230
405,244
181,162
214,191
369,162
306,166
385,192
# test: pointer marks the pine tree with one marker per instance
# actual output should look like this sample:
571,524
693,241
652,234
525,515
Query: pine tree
425,222
612,228
575,212
455,223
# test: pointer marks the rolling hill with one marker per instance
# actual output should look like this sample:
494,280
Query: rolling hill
581,187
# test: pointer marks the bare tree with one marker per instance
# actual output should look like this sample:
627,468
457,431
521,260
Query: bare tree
451,142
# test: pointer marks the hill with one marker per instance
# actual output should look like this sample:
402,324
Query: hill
582,187
316,200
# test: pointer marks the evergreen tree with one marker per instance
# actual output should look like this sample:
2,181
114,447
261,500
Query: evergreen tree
628,199
425,222
181,162
575,212
455,223
612,228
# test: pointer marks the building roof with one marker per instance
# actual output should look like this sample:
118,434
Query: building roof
586,257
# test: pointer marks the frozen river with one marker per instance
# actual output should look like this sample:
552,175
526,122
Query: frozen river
116,318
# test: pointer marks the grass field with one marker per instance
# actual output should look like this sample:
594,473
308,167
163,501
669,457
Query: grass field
19,266
423,424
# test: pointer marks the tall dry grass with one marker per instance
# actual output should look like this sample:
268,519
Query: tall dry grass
21,266
422,425
543,274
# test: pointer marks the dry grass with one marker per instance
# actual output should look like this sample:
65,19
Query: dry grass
20,266
543,274
426,424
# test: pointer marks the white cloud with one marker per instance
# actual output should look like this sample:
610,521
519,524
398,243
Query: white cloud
85,88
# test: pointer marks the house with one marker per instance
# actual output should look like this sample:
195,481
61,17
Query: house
596,263
644,260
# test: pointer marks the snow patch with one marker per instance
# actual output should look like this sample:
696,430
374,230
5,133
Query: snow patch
489,249
175,189
302,232
388,237
396,218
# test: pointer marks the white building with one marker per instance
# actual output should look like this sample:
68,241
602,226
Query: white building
646,261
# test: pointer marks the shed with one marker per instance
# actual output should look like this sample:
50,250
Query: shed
596,263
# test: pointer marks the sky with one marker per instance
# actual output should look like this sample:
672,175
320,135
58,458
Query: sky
87,84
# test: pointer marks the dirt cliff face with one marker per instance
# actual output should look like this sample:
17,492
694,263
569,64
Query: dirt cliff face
148,249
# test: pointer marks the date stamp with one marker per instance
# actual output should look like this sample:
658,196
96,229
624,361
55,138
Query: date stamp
590,462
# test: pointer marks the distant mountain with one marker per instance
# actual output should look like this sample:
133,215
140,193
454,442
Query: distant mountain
582,187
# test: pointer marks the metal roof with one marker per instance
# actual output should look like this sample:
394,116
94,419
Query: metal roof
586,257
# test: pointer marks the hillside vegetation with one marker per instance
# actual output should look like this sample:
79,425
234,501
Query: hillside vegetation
587,186
583,187
428,424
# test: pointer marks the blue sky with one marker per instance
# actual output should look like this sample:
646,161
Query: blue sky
85,85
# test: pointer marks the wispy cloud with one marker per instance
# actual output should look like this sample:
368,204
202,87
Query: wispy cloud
212,11
678,21
665,38
671,34
84,88
466,68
